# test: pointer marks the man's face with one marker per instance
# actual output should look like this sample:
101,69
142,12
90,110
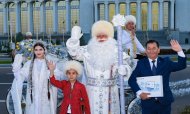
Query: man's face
130,26
101,37
152,51
28,37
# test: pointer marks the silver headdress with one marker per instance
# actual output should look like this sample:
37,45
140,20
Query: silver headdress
25,47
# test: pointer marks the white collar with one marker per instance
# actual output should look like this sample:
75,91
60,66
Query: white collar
150,60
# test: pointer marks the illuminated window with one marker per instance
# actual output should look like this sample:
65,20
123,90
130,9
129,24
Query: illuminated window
144,16
133,9
74,13
61,16
111,11
166,11
36,17
12,18
101,11
122,8
49,17
1,18
155,16
24,18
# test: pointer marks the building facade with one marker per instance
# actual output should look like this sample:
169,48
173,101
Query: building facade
166,18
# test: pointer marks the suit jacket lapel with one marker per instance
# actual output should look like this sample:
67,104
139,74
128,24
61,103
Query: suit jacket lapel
147,65
159,64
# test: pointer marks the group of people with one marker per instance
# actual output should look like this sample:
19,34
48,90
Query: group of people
100,60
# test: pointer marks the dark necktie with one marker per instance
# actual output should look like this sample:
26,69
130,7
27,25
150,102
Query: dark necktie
153,67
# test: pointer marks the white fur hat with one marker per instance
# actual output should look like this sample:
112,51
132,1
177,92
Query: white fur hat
102,27
28,34
129,18
73,65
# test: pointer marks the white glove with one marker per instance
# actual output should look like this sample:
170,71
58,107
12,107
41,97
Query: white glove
118,20
122,70
76,33
17,62
73,41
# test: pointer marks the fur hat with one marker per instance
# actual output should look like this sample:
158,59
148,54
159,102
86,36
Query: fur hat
102,27
129,18
28,34
73,65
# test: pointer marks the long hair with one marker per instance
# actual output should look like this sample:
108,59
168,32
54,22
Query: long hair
31,69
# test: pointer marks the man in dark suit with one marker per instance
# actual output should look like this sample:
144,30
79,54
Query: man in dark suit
154,65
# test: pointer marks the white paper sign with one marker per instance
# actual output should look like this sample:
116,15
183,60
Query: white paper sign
152,85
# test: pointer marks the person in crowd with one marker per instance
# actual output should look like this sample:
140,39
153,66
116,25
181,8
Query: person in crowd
28,36
100,58
129,39
75,99
41,97
153,65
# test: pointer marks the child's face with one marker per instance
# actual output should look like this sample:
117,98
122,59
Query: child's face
72,75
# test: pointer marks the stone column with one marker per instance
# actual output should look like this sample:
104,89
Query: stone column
30,17
117,9
68,15
138,15
96,10
55,16
161,14
172,3
18,16
149,15
128,7
106,10
42,17
5,18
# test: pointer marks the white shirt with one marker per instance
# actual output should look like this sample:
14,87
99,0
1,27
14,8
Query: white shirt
127,42
151,64
69,107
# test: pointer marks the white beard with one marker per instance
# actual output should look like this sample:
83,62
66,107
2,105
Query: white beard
102,54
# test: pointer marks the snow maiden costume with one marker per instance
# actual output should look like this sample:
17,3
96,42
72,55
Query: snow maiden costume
41,96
